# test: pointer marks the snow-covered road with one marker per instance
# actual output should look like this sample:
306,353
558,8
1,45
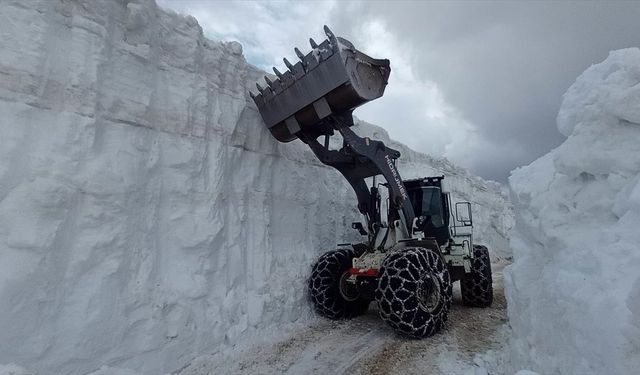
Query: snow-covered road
368,346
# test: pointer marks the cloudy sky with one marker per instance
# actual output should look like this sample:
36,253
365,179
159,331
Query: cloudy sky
477,82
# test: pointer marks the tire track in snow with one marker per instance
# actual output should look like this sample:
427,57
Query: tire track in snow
366,345
338,354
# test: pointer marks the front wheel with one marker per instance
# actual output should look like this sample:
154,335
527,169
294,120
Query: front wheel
414,291
333,296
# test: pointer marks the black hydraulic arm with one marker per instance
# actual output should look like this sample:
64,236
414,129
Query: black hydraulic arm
358,159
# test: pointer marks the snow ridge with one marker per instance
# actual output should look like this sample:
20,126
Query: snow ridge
574,287
146,215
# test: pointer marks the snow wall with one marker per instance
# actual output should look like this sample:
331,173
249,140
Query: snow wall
146,215
574,289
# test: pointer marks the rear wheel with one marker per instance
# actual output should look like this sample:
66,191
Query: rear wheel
332,295
477,286
414,291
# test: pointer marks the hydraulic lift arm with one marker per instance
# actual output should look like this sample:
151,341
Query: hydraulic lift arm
316,97
359,158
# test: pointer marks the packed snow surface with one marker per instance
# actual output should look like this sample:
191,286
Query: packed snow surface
574,288
146,215
471,343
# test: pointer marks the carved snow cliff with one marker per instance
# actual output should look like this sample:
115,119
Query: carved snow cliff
574,287
146,215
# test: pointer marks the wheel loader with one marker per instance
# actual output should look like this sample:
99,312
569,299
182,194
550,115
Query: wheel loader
421,245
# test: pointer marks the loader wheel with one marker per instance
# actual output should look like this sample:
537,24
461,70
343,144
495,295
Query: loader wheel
332,296
414,291
477,286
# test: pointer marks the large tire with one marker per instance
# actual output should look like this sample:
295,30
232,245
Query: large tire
329,295
414,291
477,286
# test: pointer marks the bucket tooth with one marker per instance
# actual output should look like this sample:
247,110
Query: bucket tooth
305,60
252,95
288,64
268,81
260,88
290,75
332,38
277,72
313,43
328,32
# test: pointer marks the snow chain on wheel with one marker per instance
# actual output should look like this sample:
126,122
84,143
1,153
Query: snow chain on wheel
477,286
331,295
414,291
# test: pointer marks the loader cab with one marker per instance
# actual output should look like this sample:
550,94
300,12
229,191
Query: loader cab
430,204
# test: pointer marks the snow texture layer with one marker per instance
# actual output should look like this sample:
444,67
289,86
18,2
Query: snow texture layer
146,215
574,288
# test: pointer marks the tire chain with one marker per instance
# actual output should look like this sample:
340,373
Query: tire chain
397,291
324,286
477,286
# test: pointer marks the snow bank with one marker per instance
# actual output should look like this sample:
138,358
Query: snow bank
574,288
13,369
146,216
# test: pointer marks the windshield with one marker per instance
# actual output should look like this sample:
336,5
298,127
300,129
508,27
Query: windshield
427,201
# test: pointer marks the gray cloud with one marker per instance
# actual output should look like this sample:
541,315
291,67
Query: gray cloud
477,82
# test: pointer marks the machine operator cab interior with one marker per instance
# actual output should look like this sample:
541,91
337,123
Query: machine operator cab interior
431,207
433,210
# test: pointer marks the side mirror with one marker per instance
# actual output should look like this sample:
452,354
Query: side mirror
358,226
463,213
